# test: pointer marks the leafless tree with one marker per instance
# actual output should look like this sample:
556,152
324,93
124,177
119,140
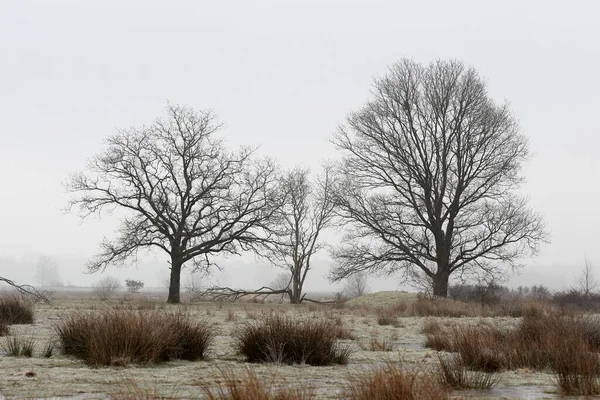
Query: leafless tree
182,191
296,238
429,176
295,234
282,281
587,282
106,287
356,285
46,272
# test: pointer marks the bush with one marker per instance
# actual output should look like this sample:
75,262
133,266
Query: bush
120,337
106,287
278,338
133,286
390,382
15,310
230,386
573,299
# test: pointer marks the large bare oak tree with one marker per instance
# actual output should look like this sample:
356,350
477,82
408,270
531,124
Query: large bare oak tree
430,174
182,192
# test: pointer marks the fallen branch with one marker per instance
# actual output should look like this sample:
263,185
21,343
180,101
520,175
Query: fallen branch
28,290
229,294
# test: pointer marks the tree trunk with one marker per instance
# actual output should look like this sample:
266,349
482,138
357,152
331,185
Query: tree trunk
440,283
175,281
296,289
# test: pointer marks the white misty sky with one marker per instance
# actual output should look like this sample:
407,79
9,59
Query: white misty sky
282,75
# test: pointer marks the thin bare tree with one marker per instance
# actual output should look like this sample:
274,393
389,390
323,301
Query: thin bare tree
356,285
587,282
181,190
429,178
295,235
47,272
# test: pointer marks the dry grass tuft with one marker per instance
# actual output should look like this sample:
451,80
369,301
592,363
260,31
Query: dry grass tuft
454,374
250,387
566,344
391,382
387,317
121,337
17,347
15,310
130,389
281,339
4,329
377,343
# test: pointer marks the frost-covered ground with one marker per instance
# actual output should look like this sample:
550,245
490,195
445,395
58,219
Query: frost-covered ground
65,377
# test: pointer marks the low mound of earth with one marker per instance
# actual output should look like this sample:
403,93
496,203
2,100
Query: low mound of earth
382,299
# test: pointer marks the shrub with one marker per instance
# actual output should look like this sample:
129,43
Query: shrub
106,287
574,299
3,329
133,286
15,346
278,338
119,337
390,382
15,310
231,387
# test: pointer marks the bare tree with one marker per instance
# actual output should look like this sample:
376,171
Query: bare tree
282,281
296,238
356,285
430,171
106,287
182,191
587,282
295,234
46,272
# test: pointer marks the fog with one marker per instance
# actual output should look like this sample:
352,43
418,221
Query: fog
282,75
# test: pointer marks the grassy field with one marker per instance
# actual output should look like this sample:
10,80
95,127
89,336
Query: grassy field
383,332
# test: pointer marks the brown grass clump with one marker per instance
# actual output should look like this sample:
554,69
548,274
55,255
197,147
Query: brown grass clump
387,317
120,337
566,344
17,347
281,339
4,329
440,307
15,310
454,374
231,387
390,382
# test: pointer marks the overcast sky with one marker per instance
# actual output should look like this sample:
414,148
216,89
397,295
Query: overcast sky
282,75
